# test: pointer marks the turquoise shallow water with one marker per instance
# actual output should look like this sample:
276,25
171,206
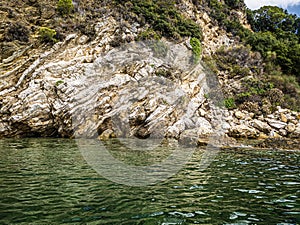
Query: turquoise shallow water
47,181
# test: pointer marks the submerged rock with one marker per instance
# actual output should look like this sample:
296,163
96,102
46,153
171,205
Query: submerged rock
279,143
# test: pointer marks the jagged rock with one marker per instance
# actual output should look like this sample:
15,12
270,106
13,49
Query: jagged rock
281,110
243,131
296,132
274,134
262,136
283,132
290,127
175,130
107,134
82,86
295,122
202,112
239,115
276,124
261,126
204,127
283,118
226,126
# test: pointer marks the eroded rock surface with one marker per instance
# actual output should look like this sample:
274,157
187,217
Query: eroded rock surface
82,88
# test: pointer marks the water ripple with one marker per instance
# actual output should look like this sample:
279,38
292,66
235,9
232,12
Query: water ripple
46,181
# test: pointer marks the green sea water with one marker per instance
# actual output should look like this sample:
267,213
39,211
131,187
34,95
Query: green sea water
48,181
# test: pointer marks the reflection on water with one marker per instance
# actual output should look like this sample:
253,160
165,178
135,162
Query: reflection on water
134,162
47,181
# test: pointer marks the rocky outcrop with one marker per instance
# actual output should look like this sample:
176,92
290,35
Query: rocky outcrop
91,88
282,123
213,35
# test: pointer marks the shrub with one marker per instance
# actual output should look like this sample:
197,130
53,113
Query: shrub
210,64
163,17
16,32
163,73
234,4
289,86
148,34
229,103
59,82
65,7
237,70
196,45
47,35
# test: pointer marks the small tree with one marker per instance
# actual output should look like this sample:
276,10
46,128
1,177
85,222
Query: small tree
65,7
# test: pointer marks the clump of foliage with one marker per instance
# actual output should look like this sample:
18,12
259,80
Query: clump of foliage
229,103
276,36
273,19
148,34
238,61
47,35
65,7
275,30
290,88
16,31
163,17
59,82
253,89
163,73
262,85
196,48
235,4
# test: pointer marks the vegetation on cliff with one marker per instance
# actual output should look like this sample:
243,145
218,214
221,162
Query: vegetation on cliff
274,34
163,17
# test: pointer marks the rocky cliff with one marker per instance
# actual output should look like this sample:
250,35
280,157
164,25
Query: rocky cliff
100,78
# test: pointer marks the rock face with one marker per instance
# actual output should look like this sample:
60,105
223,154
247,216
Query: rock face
92,89
243,131
82,88
246,125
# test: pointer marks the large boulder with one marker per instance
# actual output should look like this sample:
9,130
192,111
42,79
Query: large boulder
243,131
276,123
261,126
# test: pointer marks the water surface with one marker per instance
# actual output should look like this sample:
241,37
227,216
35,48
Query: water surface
47,181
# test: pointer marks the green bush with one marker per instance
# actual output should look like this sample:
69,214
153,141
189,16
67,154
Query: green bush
229,103
163,17
237,70
291,89
65,7
59,82
148,34
234,4
196,45
47,35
